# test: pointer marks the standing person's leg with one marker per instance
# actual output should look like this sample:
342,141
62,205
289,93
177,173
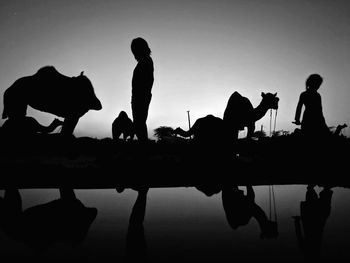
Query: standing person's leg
140,114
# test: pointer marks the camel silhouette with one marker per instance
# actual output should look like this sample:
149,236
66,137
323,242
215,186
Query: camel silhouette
50,91
205,129
240,113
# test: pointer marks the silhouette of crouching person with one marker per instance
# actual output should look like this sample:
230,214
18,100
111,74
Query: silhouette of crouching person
123,125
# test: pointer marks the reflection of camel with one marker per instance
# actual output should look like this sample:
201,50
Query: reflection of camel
50,91
64,220
136,247
240,208
122,125
314,212
239,112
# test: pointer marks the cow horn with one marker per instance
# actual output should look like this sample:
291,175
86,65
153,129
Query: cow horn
82,73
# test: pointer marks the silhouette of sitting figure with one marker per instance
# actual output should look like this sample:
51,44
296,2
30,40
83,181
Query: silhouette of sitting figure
240,113
50,91
65,220
313,122
24,126
240,208
122,125
314,212
136,247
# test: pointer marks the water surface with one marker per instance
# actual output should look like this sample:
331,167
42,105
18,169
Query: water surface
184,224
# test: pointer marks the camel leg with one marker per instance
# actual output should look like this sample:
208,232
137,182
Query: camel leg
69,125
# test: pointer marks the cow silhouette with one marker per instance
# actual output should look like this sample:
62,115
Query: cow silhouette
52,92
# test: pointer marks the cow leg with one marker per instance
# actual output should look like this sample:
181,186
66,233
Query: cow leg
251,129
69,125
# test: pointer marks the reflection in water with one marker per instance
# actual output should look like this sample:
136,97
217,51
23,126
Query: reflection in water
314,212
185,224
136,247
240,208
64,220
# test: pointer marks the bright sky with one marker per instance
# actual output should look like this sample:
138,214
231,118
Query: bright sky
203,51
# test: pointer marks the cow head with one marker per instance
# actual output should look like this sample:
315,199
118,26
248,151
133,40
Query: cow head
88,93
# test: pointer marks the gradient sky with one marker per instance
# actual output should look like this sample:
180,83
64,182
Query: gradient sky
203,51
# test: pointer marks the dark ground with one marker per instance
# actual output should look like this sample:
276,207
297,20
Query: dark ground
84,162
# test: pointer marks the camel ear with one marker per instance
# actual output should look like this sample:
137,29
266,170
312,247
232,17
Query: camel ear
82,73
275,94
262,94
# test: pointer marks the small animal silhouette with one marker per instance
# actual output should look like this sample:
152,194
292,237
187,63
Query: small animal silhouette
123,125
240,113
50,91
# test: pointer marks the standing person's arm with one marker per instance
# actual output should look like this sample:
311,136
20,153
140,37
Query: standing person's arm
298,110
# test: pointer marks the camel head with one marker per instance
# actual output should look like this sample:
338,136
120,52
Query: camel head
270,100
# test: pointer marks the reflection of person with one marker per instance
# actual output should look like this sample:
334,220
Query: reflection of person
240,208
314,212
64,220
142,82
136,247
313,122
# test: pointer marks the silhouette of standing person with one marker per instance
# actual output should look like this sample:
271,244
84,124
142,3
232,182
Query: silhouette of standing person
314,212
313,122
142,82
240,208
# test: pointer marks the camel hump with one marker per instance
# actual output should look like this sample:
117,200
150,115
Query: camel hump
237,108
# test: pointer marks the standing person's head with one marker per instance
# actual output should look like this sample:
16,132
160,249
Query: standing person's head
313,82
140,48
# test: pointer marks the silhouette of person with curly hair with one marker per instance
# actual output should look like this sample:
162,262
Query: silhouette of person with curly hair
142,82
313,122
